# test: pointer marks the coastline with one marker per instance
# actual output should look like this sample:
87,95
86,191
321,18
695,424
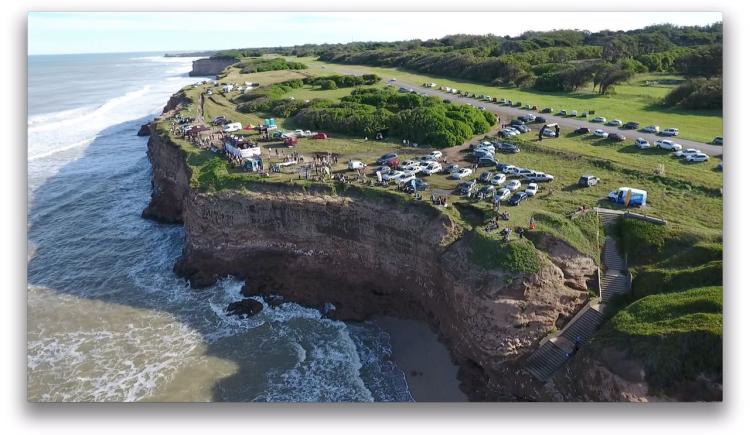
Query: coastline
425,361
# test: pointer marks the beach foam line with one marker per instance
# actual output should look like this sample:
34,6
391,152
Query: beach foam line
77,144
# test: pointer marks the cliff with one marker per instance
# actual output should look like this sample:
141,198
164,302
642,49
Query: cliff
211,66
369,255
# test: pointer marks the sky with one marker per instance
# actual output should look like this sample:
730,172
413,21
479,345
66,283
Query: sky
110,32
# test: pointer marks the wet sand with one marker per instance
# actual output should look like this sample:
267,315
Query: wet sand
426,362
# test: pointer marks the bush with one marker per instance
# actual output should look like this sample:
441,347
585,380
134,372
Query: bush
261,65
697,94
328,84
641,241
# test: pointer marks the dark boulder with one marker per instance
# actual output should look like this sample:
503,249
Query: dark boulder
244,308
145,130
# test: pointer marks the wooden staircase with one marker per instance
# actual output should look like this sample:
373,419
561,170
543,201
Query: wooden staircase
556,349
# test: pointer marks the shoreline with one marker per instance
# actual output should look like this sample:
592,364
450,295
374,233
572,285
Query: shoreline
430,373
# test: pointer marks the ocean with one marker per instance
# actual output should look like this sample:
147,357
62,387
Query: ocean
107,318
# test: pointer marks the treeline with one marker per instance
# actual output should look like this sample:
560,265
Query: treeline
341,81
425,120
272,64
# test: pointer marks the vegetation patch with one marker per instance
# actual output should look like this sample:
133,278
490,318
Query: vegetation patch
641,241
268,64
678,337
488,251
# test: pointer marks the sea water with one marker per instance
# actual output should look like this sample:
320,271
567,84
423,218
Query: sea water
108,320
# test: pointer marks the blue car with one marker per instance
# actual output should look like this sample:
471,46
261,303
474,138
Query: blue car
517,198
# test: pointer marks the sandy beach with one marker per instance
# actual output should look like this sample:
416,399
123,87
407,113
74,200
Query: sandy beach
430,373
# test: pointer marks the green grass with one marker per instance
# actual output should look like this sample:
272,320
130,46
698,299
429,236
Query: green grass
490,252
677,336
630,102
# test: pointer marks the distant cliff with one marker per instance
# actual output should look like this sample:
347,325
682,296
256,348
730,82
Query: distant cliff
210,66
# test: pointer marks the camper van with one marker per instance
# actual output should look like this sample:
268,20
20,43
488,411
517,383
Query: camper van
628,197
234,126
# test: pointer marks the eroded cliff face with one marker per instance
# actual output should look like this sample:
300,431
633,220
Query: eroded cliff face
210,67
368,256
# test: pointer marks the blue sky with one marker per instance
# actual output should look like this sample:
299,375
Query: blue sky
108,32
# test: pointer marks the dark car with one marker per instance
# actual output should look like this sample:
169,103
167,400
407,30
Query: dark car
616,137
632,125
467,187
547,110
486,191
417,183
486,161
485,177
446,101
387,157
516,122
540,119
718,140
582,130
507,148
588,181
517,198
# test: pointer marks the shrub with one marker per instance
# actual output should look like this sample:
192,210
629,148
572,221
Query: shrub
696,94
328,84
641,241
489,252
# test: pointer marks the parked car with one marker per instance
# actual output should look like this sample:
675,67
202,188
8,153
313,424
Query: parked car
501,195
599,119
487,161
548,132
616,137
405,178
668,145
538,176
517,198
523,172
392,175
600,133
718,140
497,179
510,170
506,147
642,143
697,157
532,189
573,113
540,119
582,130
513,185
588,181
685,153
631,125
651,129
417,184
615,123
670,132
509,132
487,191
431,168
461,173
522,128
547,110
385,158
467,187
529,117
451,169
516,122
436,154
319,135
355,164
486,177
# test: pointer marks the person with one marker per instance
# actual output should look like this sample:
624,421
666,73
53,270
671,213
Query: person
541,131
532,223
557,131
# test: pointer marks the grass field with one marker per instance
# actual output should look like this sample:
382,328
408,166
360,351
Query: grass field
633,101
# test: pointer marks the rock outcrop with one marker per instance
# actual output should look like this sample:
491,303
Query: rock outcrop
210,67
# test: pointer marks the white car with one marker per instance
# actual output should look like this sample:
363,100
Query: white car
697,157
460,173
501,195
355,164
685,153
431,168
411,167
427,158
668,145
513,185
509,132
670,132
599,119
497,179
522,172
642,143
651,129
382,169
600,133
436,154
532,189
404,178
540,176
510,170
391,176
548,132
615,122
573,113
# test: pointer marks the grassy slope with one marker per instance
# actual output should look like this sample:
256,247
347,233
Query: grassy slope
631,102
